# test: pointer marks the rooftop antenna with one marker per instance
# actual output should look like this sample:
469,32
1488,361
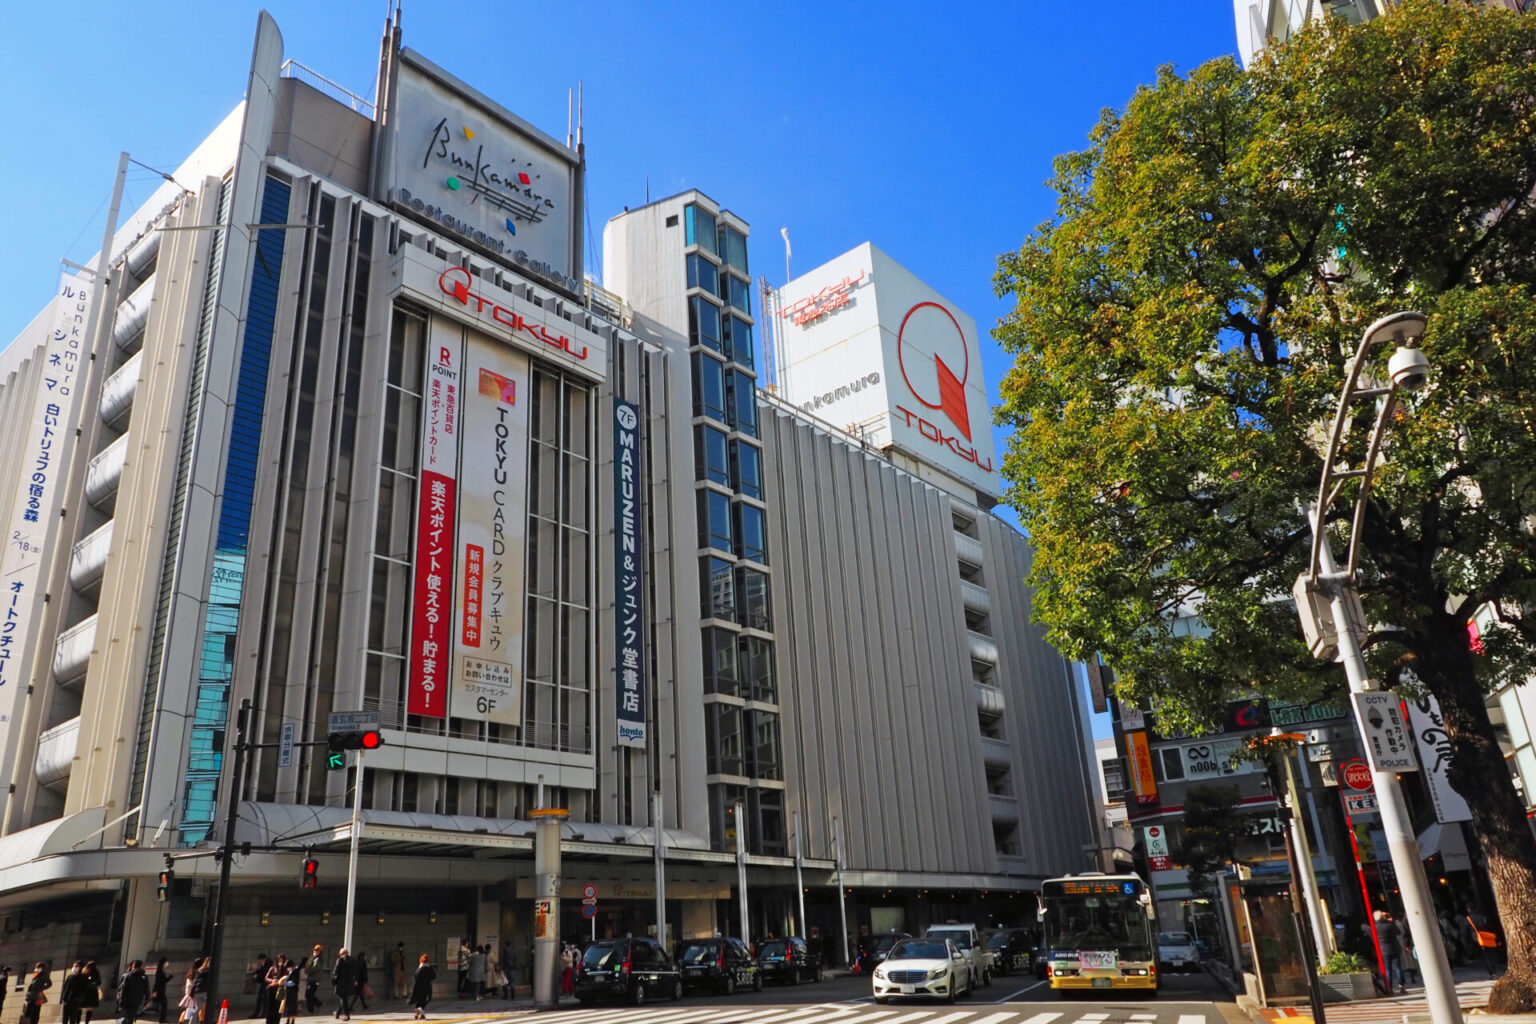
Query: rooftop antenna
568,94
579,140
785,232
647,190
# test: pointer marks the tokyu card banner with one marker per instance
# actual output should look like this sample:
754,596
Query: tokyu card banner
492,490
432,588
34,504
629,621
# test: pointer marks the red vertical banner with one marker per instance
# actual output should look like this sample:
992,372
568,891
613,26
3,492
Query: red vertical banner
432,591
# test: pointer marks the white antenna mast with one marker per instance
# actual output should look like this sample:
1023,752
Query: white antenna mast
568,94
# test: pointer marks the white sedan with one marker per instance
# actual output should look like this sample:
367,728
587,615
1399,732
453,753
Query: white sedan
1176,951
924,968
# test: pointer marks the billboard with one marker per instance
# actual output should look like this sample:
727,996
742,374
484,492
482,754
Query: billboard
492,518
464,164
870,347
1143,782
629,622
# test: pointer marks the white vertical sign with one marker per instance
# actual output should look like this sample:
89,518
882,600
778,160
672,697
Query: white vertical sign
44,461
493,475
1435,754
1379,714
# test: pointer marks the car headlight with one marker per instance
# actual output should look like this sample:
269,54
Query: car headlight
937,973
880,973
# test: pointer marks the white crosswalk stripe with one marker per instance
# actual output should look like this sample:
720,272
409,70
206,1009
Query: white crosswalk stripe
854,1013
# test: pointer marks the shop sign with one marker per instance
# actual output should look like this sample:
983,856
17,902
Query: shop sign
1380,717
828,300
432,604
1434,745
629,622
1155,840
1143,783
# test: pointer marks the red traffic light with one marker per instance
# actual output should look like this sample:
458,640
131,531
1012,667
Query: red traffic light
311,873
371,740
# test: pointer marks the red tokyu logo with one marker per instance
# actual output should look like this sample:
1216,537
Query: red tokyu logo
930,347
455,282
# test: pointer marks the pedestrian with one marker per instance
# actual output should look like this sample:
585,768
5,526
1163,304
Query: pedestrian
344,982
464,992
259,977
1480,936
72,993
309,974
364,990
5,984
157,993
1390,935
476,976
509,966
92,992
132,993
421,986
397,973
567,968
293,990
42,981
272,984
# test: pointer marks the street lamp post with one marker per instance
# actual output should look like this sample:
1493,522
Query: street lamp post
1334,631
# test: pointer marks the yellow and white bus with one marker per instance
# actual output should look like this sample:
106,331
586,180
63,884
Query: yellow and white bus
1098,932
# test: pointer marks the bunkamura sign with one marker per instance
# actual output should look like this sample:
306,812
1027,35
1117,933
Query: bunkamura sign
629,621
437,506
476,171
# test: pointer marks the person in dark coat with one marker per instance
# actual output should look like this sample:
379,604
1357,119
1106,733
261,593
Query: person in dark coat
272,984
72,993
259,976
361,963
157,991
344,981
132,993
92,993
41,981
421,986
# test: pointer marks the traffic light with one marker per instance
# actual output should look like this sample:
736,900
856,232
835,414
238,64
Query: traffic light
368,739
163,890
310,875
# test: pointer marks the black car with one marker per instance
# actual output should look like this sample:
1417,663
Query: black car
719,965
1013,951
873,949
788,961
633,969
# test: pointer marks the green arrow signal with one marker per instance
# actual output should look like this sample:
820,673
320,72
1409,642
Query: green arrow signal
336,761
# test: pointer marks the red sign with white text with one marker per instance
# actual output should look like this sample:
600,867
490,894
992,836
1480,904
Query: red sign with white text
432,604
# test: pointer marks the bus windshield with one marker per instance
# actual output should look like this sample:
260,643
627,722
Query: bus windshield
1102,921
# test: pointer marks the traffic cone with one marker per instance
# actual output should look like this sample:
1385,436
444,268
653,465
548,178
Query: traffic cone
224,1012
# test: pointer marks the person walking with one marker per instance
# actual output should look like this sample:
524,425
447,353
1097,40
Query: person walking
42,981
344,981
271,984
259,978
509,966
1480,936
398,977
421,986
72,993
567,968
5,984
464,992
92,994
476,976
364,990
157,992
132,993
1390,935
309,974
293,990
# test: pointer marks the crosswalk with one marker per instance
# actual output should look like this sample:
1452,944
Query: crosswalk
856,1013
1390,1010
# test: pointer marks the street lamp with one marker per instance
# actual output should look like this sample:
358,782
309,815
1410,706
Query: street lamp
1333,621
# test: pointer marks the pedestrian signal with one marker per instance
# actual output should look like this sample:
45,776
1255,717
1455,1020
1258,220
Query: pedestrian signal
310,874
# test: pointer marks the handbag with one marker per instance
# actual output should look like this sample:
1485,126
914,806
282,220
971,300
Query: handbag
1488,940
367,991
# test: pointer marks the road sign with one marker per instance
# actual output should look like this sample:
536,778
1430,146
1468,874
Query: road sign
589,891
1155,839
1329,771
351,721
1356,776
589,910
285,746
1387,743
1361,803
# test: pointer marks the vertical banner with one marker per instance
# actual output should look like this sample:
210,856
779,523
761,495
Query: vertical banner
34,504
629,622
493,488
1434,745
432,589
1142,780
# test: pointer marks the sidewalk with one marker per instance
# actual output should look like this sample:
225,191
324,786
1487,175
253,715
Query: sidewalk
1409,1007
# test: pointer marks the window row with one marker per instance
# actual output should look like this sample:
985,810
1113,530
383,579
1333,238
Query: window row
739,666
729,396
739,741
732,526
733,463
725,333
701,229
764,812
735,594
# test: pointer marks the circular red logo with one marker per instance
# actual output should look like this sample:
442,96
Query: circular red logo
1357,776
935,361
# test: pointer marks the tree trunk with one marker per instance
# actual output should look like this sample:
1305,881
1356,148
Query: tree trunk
1478,772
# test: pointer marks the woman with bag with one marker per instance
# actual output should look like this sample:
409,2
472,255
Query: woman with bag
72,993
40,983
272,985
194,991
158,998
292,983
1482,938
91,995
421,986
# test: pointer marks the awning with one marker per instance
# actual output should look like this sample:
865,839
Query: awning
1449,842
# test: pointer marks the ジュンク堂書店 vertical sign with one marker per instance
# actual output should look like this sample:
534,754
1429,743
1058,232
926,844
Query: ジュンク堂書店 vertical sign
629,622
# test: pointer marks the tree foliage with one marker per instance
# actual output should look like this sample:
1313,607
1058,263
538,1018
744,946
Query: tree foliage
1180,338
1213,828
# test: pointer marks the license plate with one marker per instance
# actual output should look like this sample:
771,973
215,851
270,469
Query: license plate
1091,961
1103,983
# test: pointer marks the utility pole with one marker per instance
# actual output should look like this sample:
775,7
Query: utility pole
741,872
799,881
216,987
842,913
356,838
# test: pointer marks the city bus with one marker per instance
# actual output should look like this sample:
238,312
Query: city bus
1098,932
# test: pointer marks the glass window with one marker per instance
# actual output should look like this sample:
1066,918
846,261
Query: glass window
708,387
740,293
703,323
702,274
733,247
743,402
747,469
723,739
1172,763
751,533
714,520
722,815
720,665
738,340
763,734
718,587
752,599
754,667
709,458
770,837
700,227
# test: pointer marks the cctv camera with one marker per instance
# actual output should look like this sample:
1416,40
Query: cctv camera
1409,368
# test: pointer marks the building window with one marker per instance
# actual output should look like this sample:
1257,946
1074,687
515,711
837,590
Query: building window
704,323
747,468
738,340
751,534
739,292
714,520
743,402
723,739
699,225
709,456
769,837
1171,760
752,599
702,274
733,248
722,816
717,584
708,387
720,664
754,666
763,732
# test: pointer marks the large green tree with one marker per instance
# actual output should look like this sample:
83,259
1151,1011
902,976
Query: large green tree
1180,335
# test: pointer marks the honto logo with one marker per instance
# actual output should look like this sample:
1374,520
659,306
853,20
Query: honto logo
935,361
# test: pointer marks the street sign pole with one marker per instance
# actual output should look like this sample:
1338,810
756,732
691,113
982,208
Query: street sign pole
1365,893
357,828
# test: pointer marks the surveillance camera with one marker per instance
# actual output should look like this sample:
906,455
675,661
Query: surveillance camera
1409,368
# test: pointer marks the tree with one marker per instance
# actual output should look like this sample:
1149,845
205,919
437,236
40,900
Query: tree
1213,828
1180,335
